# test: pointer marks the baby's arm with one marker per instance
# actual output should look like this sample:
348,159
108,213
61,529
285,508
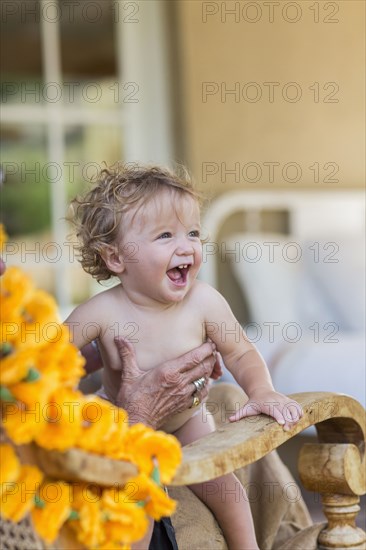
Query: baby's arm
82,325
245,363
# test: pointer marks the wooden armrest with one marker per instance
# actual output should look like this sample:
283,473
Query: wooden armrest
338,419
335,467
79,465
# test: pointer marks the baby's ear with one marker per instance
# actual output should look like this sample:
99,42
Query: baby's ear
113,259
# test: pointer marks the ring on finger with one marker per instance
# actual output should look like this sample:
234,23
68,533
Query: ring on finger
199,384
196,401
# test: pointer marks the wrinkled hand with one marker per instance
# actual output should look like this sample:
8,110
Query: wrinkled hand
152,396
284,410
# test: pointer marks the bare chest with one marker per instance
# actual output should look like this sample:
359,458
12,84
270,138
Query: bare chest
156,337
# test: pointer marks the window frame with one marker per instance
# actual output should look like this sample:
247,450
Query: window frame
141,51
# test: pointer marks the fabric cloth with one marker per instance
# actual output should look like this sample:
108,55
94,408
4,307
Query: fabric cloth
163,537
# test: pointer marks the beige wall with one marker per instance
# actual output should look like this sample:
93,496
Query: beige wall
303,132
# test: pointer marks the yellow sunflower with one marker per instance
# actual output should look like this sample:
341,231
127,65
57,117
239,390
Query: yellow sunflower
114,440
18,497
114,545
60,356
39,311
36,390
163,447
52,509
87,524
125,521
98,424
122,448
63,415
15,366
157,502
16,288
70,365
22,423
136,431
10,466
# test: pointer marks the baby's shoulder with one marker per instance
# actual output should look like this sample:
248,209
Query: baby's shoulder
210,303
96,305
204,294
105,296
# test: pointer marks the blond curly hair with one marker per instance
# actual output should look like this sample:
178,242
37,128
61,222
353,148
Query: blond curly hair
97,216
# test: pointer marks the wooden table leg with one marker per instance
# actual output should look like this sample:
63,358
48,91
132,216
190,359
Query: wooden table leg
337,472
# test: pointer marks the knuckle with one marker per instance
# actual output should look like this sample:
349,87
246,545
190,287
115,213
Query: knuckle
172,377
195,358
208,365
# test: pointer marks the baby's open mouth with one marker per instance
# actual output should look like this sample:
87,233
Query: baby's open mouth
178,275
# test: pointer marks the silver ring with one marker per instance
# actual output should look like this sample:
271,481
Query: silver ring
196,401
199,384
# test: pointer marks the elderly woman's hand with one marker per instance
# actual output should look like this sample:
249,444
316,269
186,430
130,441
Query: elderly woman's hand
152,396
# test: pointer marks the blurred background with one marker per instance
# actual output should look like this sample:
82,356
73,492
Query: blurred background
262,101
249,95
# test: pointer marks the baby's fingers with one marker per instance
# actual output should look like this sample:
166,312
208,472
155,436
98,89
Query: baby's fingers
250,409
291,412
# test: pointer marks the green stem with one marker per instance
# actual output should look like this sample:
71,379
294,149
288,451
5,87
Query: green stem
155,474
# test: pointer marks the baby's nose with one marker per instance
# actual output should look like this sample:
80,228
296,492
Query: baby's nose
184,247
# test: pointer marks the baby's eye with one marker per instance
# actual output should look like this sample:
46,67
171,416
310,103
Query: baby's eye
165,235
194,233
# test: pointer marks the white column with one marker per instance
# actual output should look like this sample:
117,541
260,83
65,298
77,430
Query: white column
143,62
55,139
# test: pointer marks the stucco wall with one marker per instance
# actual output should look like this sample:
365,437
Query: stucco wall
305,131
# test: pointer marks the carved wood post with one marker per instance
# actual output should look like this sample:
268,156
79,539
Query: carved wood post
337,472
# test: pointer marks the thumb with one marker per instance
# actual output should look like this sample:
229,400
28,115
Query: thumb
127,354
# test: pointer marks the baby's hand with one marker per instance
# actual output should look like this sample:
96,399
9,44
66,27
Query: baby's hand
284,410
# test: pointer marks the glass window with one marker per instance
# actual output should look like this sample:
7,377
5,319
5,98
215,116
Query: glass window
88,149
25,195
90,23
25,202
21,54
66,111
89,73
